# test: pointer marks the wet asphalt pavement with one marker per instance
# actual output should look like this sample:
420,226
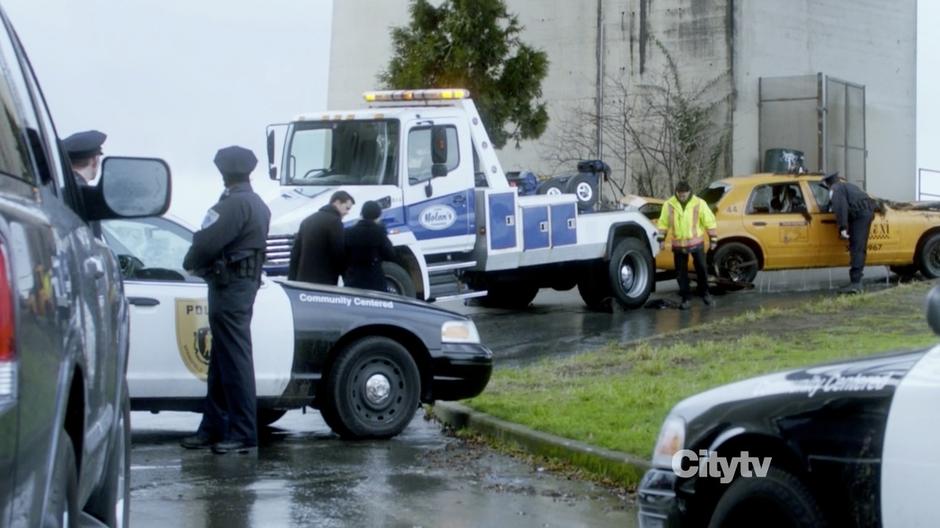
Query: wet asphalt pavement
305,476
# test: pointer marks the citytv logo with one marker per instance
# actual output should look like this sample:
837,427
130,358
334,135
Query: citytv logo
437,217
708,464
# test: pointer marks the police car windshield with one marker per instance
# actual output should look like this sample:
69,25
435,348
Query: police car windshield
363,152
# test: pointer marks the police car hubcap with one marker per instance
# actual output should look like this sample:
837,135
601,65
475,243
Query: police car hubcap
378,389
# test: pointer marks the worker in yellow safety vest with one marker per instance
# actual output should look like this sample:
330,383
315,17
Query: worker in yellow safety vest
689,218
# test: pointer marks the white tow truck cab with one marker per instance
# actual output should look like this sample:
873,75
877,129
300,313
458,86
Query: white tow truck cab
459,228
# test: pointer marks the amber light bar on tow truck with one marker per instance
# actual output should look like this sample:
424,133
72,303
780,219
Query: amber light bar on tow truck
437,94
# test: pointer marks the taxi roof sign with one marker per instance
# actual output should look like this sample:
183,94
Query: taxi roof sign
434,94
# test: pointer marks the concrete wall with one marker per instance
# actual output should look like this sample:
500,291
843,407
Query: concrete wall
868,42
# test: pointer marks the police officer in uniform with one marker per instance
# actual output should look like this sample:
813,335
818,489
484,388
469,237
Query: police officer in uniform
84,150
228,252
854,211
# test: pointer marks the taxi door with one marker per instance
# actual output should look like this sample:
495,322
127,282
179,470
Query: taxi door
782,232
883,239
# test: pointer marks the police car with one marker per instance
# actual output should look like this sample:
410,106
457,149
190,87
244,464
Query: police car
846,444
365,359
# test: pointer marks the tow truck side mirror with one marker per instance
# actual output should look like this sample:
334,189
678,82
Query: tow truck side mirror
438,145
272,169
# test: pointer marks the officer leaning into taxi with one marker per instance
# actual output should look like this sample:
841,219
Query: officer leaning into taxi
689,218
84,150
854,211
228,252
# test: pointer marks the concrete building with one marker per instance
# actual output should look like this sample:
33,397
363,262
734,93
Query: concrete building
834,78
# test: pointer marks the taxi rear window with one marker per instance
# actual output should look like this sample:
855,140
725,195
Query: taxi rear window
714,193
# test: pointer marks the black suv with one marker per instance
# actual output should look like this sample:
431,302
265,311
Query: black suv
64,411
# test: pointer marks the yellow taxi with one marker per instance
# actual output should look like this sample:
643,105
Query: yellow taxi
782,221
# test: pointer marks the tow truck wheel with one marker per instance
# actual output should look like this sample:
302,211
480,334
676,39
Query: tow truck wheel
514,295
631,272
398,280
111,503
594,288
267,417
372,390
778,500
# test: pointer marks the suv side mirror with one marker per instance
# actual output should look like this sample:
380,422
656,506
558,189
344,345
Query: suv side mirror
129,188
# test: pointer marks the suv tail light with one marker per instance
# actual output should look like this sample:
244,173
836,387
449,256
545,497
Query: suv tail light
7,328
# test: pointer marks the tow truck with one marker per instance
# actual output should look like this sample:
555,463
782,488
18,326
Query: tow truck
460,229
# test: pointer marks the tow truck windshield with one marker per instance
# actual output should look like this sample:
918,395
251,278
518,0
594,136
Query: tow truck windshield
331,153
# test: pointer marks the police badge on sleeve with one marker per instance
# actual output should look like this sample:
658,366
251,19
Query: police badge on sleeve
210,218
193,338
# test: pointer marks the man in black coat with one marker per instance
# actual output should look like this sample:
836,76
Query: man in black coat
319,251
367,246
854,211
228,252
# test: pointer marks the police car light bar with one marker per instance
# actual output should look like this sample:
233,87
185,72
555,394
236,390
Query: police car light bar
442,94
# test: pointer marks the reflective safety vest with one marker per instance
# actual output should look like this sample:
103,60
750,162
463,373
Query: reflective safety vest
688,224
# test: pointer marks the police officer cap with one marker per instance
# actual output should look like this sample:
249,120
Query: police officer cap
830,180
235,161
371,210
83,145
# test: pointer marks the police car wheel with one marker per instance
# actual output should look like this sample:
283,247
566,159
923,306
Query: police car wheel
398,280
111,503
928,258
631,272
777,500
63,495
372,390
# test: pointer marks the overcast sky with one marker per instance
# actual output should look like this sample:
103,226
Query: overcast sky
178,79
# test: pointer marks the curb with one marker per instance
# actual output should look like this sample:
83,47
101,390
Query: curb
624,468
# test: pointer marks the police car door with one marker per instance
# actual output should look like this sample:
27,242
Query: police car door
439,209
170,340
910,462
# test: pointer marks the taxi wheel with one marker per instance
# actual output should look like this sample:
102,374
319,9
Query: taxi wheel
736,262
631,273
63,495
777,500
372,390
928,259
111,503
398,280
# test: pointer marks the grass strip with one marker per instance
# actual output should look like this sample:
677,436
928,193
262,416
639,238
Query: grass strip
617,397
